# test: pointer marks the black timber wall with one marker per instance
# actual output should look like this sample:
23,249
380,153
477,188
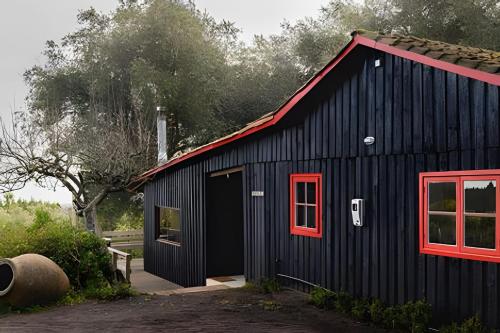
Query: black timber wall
423,119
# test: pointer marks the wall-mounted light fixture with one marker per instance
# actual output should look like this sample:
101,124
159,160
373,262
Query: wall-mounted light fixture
369,140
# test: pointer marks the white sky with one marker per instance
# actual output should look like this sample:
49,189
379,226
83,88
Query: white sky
25,25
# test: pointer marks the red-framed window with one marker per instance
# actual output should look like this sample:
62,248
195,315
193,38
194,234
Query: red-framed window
459,214
305,205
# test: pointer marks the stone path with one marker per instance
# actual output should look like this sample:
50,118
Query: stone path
147,283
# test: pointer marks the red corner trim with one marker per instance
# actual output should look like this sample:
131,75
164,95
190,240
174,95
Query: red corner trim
304,90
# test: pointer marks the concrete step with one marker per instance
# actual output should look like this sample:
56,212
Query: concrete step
192,290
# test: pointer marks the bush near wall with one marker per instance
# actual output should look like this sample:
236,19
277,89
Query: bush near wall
46,229
412,316
82,255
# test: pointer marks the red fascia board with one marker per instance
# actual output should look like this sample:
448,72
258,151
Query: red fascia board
304,90
436,63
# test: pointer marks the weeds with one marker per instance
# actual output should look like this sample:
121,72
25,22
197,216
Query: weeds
266,286
471,325
323,298
270,305
412,316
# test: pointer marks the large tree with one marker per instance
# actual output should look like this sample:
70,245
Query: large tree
91,119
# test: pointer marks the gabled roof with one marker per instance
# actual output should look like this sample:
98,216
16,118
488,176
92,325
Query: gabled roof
471,57
475,63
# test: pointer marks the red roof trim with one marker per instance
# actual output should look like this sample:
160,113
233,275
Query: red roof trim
287,106
440,64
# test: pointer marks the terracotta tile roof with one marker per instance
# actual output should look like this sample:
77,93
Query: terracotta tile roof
480,59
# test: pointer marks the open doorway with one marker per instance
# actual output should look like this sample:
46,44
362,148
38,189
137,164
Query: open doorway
224,237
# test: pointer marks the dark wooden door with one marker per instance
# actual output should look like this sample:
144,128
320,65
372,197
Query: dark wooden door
224,238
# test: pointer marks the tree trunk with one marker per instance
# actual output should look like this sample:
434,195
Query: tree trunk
90,216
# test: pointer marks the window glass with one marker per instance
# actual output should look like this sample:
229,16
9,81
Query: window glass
169,224
305,204
442,213
301,216
300,192
311,193
311,216
479,213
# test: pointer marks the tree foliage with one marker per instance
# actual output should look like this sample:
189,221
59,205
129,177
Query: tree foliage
91,123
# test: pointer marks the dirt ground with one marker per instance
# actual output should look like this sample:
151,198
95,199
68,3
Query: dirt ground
228,310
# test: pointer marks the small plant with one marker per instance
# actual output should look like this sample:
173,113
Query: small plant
391,317
270,305
269,286
412,316
377,311
343,302
415,316
109,292
471,325
72,298
361,309
251,286
323,298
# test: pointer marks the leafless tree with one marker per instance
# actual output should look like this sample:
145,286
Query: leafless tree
91,157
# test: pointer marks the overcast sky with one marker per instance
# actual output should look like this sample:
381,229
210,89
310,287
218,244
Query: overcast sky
25,25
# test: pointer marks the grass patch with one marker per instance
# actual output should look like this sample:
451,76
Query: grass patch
270,305
266,286
136,253
110,292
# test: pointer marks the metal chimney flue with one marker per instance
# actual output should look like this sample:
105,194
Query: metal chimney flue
161,124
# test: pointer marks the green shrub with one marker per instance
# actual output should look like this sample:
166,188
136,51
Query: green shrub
412,316
323,298
471,325
136,253
361,309
377,311
109,292
415,316
269,286
266,286
391,317
343,302
82,255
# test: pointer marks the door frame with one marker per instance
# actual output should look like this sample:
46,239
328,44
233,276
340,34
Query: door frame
219,173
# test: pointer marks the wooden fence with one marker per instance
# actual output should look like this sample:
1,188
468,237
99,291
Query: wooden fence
133,239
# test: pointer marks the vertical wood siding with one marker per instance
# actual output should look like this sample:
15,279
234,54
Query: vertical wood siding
423,119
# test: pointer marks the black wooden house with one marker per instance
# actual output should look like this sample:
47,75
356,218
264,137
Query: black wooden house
408,125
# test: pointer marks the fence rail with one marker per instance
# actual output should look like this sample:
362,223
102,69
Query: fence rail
132,239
